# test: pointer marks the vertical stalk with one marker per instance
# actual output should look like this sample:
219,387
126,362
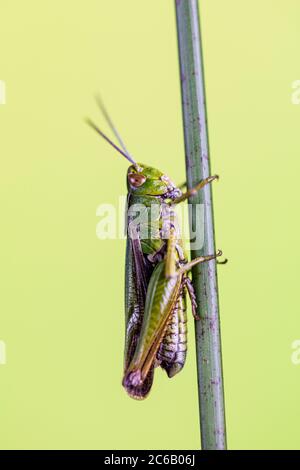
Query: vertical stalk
208,343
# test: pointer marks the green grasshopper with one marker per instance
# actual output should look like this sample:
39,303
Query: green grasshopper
156,277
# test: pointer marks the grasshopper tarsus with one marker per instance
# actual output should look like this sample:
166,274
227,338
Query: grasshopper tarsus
225,261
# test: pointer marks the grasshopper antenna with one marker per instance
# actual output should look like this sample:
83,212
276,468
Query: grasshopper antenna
96,128
111,125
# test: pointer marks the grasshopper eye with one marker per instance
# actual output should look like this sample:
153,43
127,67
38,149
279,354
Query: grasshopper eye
136,179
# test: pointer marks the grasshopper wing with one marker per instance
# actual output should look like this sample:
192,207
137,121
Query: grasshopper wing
161,299
136,278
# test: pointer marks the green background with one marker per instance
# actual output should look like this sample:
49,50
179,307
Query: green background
61,298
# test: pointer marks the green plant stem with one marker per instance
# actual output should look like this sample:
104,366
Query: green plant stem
208,343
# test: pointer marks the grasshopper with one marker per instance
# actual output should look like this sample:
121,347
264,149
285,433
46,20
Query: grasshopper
156,277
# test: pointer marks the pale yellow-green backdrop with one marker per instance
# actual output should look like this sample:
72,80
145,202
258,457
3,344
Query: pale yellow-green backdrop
61,294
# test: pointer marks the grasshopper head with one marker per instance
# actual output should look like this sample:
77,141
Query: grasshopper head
145,180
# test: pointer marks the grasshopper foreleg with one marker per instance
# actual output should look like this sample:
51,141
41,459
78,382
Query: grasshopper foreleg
193,191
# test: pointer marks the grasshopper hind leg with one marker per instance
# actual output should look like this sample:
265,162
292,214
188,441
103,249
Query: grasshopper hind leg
192,295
